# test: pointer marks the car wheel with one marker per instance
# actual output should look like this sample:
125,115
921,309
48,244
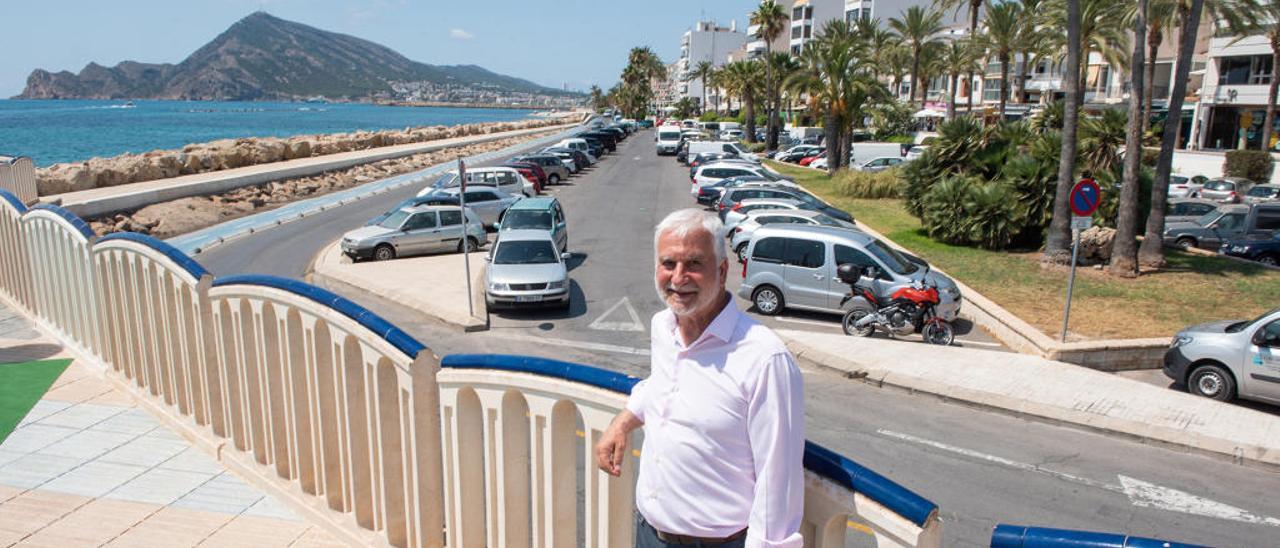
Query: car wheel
1185,243
768,300
384,252
471,243
1269,260
1212,381
553,179
741,250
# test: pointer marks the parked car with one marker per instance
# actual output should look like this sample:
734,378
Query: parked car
741,234
733,196
915,153
666,140
1183,210
1255,247
696,147
532,172
795,153
581,145
538,214
1223,224
525,269
488,203
1229,359
606,138
566,158
705,157
1262,193
879,164
434,198
506,179
555,170
731,134
792,266
1227,189
414,231
807,160
1181,186
739,211
861,153
706,174
819,163
710,194
581,159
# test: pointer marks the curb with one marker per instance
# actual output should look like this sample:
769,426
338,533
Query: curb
1216,447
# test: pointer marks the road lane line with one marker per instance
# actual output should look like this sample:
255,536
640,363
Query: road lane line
808,322
582,345
964,342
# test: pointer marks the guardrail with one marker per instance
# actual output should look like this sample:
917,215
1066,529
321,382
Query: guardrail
349,419
1018,536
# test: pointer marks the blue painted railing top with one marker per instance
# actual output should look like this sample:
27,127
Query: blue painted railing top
392,334
818,459
75,221
1018,536
13,201
192,267
585,374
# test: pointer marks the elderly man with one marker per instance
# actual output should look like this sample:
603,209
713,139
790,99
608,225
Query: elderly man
723,409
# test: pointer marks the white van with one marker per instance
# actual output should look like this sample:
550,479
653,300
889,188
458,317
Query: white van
698,147
505,179
667,140
861,153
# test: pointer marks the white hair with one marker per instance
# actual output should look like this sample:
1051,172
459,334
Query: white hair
682,222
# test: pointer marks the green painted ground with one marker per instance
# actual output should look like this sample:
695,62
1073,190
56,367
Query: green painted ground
21,386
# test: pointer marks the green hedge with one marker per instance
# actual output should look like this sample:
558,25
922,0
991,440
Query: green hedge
1254,165
859,184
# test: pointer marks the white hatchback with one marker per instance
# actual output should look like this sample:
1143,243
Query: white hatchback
505,179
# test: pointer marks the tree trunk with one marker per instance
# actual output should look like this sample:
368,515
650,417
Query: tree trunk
831,133
1124,252
1153,46
915,75
1004,83
1058,241
1151,253
974,6
1270,118
749,116
1021,78
951,105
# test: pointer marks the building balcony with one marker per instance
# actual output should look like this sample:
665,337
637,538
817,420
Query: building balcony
1242,94
757,46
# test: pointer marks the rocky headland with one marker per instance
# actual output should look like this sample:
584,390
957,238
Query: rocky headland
168,219
234,153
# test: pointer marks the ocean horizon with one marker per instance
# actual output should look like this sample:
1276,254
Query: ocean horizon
52,131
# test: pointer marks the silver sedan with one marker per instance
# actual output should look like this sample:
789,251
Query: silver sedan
525,268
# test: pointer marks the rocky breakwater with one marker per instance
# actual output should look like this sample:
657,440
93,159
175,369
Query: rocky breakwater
168,219
234,153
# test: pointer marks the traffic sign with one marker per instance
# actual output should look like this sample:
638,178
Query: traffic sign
1085,197
1081,223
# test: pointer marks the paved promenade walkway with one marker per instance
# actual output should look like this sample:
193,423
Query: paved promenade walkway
86,467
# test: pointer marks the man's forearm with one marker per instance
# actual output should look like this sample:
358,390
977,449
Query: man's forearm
626,421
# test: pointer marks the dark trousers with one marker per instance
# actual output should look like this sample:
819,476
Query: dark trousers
647,537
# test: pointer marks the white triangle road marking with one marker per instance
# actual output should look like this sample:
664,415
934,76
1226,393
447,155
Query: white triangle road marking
1150,495
632,325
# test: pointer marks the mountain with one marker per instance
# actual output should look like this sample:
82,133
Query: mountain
262,57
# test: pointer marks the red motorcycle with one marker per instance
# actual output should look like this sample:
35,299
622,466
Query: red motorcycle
910,309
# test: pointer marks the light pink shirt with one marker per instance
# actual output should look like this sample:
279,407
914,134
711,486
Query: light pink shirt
724,433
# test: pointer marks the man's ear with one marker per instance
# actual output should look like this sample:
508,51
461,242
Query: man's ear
724,272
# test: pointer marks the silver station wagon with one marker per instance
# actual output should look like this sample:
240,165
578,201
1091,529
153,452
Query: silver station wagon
414,231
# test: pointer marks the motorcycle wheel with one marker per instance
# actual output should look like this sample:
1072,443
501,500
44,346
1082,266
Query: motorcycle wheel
851,318
939,333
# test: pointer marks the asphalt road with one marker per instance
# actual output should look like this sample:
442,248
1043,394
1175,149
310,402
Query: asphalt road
981,467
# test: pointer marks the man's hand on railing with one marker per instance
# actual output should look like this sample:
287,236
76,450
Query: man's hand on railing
612,447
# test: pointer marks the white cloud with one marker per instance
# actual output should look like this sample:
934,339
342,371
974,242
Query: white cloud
459,34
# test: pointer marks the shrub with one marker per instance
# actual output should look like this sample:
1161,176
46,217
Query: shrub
755,147
872,186
709,117
900,139
1254,165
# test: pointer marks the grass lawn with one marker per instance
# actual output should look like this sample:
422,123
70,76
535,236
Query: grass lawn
21,386
1193,289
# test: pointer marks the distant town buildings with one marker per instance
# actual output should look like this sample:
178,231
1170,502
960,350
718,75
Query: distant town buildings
422,91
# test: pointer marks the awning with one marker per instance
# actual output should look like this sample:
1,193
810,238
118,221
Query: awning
929,113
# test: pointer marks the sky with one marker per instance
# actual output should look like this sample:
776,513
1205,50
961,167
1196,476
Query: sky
557,43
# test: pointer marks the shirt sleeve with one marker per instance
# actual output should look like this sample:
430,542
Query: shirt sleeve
775,425
637,403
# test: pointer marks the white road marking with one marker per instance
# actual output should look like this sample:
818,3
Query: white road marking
637,158
808,322
632,324
965,342
1140,493
584,345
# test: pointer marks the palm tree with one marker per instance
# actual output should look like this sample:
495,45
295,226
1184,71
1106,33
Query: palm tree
598,101
779,66
959,57
744,78
1124,250
898,64
1162,15
1102,30
917,28
1004,29
1058,237
1034,42
975,6
772,20
636,92
1151,252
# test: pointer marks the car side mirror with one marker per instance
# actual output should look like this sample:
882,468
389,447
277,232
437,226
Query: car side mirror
497,225
566,256
1260,338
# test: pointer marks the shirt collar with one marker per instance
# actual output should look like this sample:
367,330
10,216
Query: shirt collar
722,327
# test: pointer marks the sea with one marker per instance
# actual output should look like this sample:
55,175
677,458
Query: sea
56,131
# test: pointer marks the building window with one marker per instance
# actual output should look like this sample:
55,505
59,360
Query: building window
1244,70
991,89
795,32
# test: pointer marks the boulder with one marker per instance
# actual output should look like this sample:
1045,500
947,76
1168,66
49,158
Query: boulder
1095,244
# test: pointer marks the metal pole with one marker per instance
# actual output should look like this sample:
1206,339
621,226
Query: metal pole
466,224
1071,281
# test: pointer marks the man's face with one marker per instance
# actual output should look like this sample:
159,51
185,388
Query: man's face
688,279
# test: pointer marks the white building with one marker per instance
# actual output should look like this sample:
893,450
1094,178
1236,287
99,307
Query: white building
1233,98
705,42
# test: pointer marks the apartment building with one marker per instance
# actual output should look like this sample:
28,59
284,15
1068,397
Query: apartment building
1233,95
705,42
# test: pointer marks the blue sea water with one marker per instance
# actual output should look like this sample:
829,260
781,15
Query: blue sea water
51,132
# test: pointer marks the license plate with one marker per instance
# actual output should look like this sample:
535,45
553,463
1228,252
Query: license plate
528,298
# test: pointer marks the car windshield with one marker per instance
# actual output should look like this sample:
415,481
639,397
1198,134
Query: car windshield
826,220
891,258
525,252
1208,218
1236,327
527,219
447,180
394,220
668,136
1219,185
766,174
1261,191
